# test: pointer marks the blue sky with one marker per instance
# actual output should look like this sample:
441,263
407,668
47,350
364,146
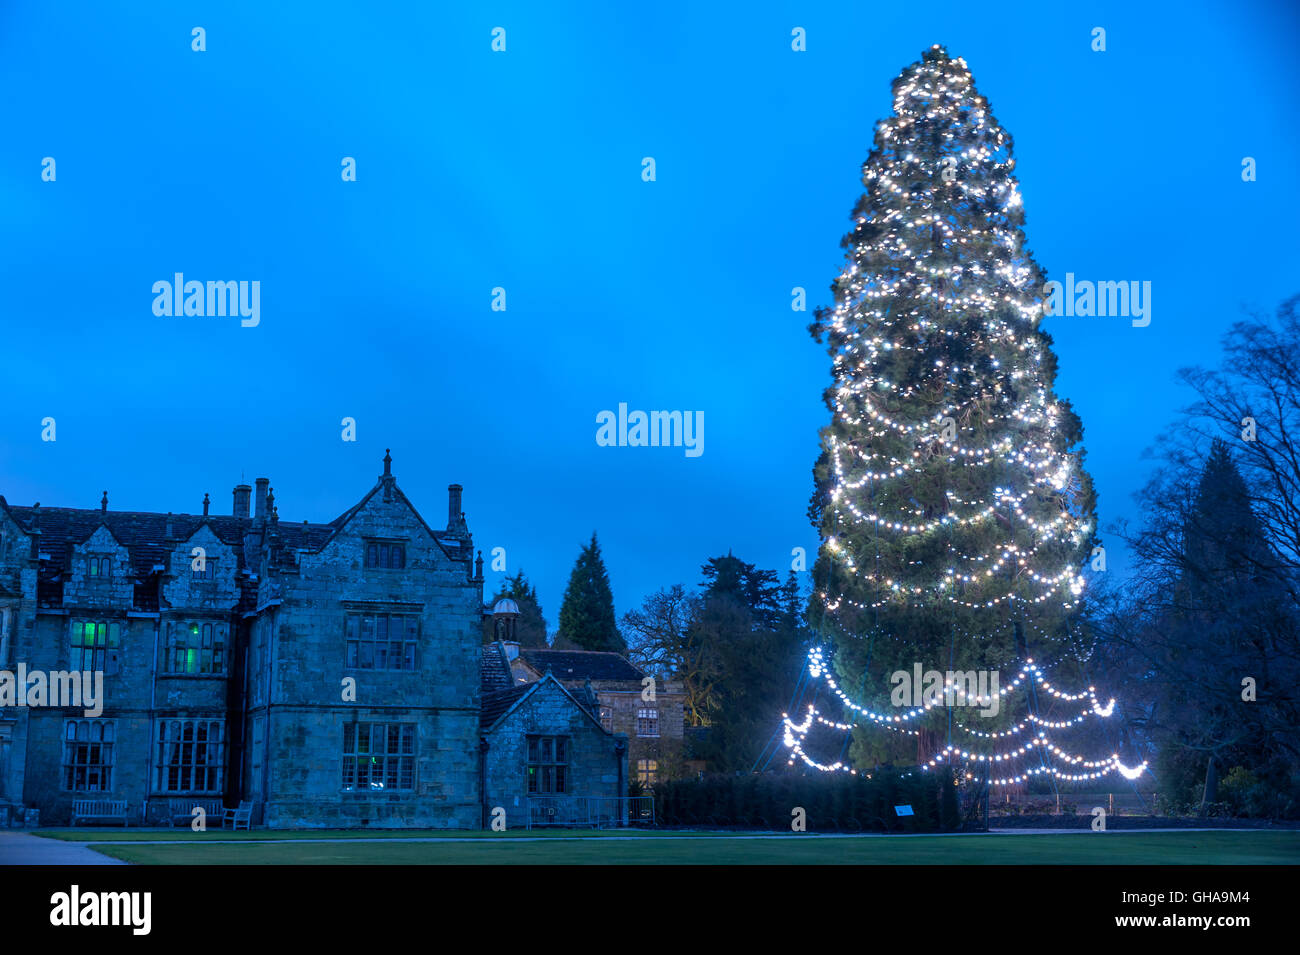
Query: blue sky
522,170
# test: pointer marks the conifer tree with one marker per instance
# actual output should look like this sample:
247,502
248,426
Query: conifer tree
587,616
530,630
1222,611
950,494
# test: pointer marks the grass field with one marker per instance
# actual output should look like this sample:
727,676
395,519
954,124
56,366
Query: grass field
660,848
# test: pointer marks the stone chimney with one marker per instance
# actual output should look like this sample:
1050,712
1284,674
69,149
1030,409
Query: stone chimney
35,530
103,503
454,515
206,502
242,495
259,501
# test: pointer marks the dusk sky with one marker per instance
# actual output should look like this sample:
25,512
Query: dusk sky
522,170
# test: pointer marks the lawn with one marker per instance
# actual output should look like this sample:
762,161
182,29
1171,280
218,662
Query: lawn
552,848
185,834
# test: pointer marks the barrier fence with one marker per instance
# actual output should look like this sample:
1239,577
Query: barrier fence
1118,803
595,812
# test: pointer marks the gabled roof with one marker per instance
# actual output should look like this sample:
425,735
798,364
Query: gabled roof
571,665
455,548
145,536
142,533
495,707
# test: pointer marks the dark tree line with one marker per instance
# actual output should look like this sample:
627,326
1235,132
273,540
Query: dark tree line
737,644
1204,639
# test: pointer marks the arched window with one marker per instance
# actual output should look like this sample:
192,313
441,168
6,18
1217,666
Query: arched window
88,755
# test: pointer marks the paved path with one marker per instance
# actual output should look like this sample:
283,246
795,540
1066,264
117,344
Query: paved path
20,848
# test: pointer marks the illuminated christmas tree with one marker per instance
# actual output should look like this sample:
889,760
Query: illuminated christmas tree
956,518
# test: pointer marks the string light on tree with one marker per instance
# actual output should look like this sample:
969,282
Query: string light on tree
956,517
1030,672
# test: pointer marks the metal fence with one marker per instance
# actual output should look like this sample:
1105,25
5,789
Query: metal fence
594,812
1129,803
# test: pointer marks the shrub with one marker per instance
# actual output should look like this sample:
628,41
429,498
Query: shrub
832,801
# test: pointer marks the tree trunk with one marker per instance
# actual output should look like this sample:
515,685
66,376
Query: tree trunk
1211,792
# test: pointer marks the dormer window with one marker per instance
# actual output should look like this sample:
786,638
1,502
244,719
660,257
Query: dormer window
99,567
388,555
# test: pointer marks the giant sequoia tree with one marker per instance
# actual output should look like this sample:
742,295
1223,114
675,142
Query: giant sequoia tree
950,495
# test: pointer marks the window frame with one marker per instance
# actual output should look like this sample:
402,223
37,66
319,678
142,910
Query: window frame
647,717
210,645
647,771
547,764
105,636
100,738
397,761
385,554
361,643
183,758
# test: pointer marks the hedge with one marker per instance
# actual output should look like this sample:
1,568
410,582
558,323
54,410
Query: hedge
832,802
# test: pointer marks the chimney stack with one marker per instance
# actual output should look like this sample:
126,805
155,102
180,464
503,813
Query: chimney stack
242,495
453,504
206,502
35,530
103,503
259,503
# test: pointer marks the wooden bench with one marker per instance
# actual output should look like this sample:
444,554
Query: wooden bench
99,810
180,811
242,816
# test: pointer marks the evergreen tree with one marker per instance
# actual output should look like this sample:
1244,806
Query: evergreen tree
753,649
756,590
1222,611
530,629
950,495
587,618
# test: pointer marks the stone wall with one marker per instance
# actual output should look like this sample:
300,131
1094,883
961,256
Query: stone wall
666,749
299,674
595,765
284,670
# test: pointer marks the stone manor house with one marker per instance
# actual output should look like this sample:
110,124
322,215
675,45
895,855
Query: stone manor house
333,674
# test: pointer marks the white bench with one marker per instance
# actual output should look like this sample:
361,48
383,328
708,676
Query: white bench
242,816
180,811
100,810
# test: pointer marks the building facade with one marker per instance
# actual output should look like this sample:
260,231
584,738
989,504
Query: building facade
650,714
330,673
